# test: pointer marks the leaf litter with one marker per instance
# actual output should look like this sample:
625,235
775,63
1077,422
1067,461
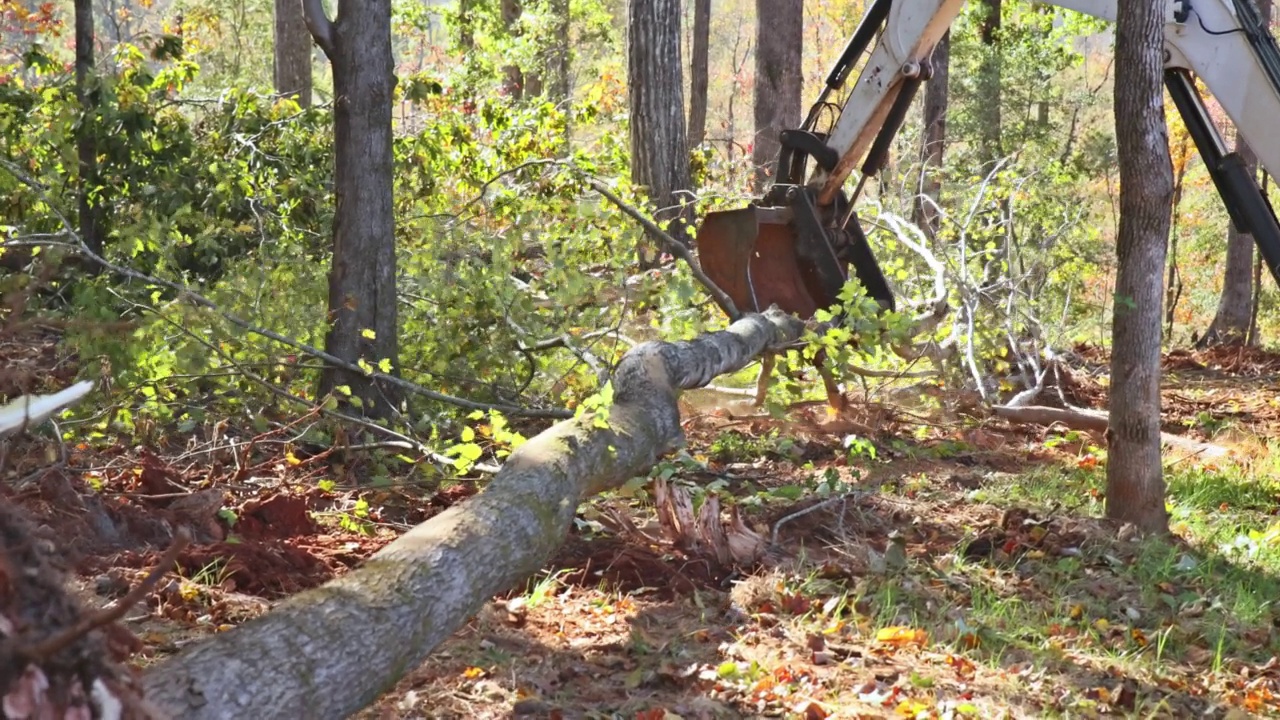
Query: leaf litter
962,574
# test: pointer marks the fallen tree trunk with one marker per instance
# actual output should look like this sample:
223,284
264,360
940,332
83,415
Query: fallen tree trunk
331,651
1098,421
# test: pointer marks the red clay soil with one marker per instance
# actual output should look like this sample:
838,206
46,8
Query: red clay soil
629,567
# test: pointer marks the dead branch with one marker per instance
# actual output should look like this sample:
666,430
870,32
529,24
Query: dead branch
270,387
673,246
389,614
1096,421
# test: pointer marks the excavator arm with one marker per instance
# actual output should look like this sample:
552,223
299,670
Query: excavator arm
795,245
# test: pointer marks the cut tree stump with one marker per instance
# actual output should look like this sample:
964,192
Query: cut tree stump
331,651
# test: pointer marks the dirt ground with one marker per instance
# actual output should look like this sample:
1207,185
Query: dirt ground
858,612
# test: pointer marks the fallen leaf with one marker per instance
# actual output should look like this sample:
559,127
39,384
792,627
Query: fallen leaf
899,636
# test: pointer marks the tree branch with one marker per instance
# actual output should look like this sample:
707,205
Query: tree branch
319,25
673,246
201,301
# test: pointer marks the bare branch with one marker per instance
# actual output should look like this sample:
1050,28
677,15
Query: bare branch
674,246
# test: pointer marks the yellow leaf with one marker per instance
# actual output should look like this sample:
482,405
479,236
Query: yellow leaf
911,708
292,459
900,635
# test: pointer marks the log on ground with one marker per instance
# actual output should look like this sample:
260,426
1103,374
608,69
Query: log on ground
1098,421
331,651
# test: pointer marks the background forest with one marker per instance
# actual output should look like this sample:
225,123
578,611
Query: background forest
194,147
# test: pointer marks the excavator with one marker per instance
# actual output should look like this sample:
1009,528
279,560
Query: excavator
795,245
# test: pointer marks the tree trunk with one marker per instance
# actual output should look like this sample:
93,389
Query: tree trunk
699,71
466,24
362,281
1230,324
292,52
558,57
91,217
1135,484
659,148
513,82
779,79
331,651
989,85
935,138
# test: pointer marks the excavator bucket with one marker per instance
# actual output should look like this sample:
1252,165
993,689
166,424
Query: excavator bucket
761,256
754,261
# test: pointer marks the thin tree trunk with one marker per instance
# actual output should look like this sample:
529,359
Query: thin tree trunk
1230,324
1135,483
990,89
659,146
700,65
1173,285
362,280
779,79
90,192
466,24
292,52
927,216
558,57
513,83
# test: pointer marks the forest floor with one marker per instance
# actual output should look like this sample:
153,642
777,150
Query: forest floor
950,570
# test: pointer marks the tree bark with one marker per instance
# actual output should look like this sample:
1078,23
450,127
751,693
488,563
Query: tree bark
1231,322
331,651
659,147
699,72
466,24
990,90
513,82
292,52
91,218
362,280
558,56
1135,484
779,79
936,90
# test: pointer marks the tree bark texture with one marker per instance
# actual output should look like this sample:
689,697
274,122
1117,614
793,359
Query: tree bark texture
558,55
331,651
1231,322
659,146
990,91
362,280
779,79
935,138
292,52
90,198
699,72
1135,484
513,80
